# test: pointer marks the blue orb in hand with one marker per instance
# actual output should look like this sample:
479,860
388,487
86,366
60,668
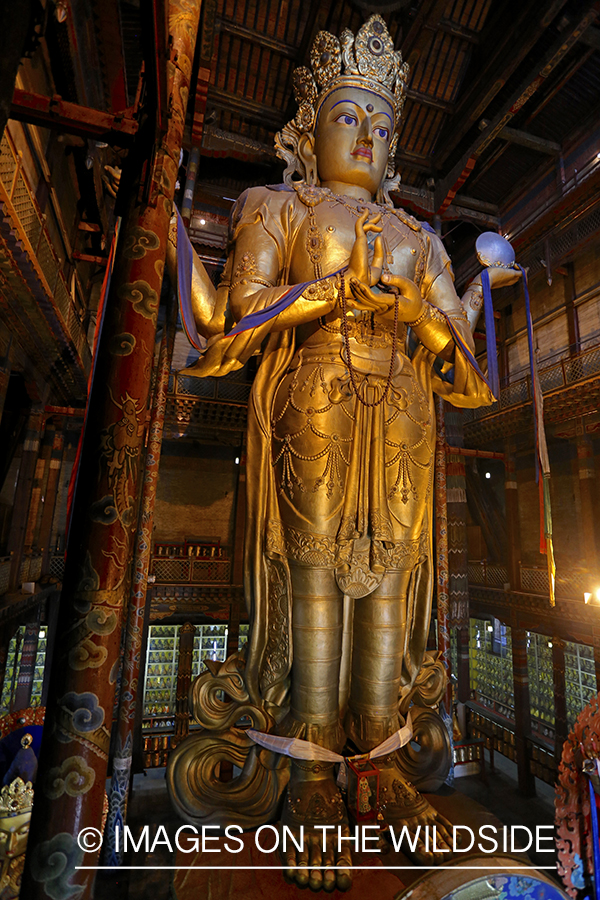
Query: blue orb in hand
494,250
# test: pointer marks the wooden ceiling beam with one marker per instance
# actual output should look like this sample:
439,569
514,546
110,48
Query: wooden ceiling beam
54,112
531,141
502,54
447,189
591,37
430,13
425,100
248,34
246,108
458,31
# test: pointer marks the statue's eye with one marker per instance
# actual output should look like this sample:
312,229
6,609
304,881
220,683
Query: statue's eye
347,119
381,132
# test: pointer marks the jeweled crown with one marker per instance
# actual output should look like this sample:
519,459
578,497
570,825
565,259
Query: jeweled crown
16,798
370,55
367,60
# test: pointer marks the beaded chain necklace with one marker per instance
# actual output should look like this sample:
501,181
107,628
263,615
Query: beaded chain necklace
311,196
351,372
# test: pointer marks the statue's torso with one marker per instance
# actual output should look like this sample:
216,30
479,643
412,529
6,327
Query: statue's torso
352,475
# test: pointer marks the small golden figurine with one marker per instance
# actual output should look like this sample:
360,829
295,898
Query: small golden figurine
341,434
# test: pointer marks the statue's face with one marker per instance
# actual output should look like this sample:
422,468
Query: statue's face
352,138
14,831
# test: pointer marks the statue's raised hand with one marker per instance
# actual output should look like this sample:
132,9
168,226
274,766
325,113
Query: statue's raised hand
410,302
359,271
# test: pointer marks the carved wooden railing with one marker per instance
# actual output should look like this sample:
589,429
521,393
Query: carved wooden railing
561,374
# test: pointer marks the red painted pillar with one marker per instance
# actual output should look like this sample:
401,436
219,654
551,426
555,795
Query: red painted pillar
441,548
132,659
74,755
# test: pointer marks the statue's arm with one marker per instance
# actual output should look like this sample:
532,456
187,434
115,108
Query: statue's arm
208,303
259,267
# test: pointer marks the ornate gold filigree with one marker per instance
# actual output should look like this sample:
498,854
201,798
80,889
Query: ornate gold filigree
16,798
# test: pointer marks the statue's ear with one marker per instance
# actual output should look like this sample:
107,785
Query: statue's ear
306,153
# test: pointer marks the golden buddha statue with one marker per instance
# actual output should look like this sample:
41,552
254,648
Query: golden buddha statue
339,570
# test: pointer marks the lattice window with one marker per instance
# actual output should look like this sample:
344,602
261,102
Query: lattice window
210,570
57,566
580,678
4,575
497,576
491,674
541,682
476,572
534,580
172,570
234,390
196,387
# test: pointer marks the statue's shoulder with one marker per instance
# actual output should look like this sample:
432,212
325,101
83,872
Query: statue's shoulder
409,220
273,195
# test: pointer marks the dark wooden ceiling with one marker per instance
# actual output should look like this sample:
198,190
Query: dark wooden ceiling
502,96
497,91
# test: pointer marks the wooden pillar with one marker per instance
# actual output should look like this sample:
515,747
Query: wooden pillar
586,474
38,488
571,311
184,680
441,548
463,675
561,728
104,520
29,457
187,204
5,366
52,605
134,627
237,574
456,498
513,526
50,498
27,666
522,712
6,633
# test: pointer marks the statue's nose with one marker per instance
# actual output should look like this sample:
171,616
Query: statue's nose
365,131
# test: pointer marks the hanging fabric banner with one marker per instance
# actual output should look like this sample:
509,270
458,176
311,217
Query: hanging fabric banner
542,461
490,335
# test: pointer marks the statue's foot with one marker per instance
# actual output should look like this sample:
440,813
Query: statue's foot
429,840
323,863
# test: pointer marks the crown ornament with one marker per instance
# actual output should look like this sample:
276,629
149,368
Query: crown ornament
365,60
16,798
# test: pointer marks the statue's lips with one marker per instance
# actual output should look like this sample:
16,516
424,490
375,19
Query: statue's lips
364,151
